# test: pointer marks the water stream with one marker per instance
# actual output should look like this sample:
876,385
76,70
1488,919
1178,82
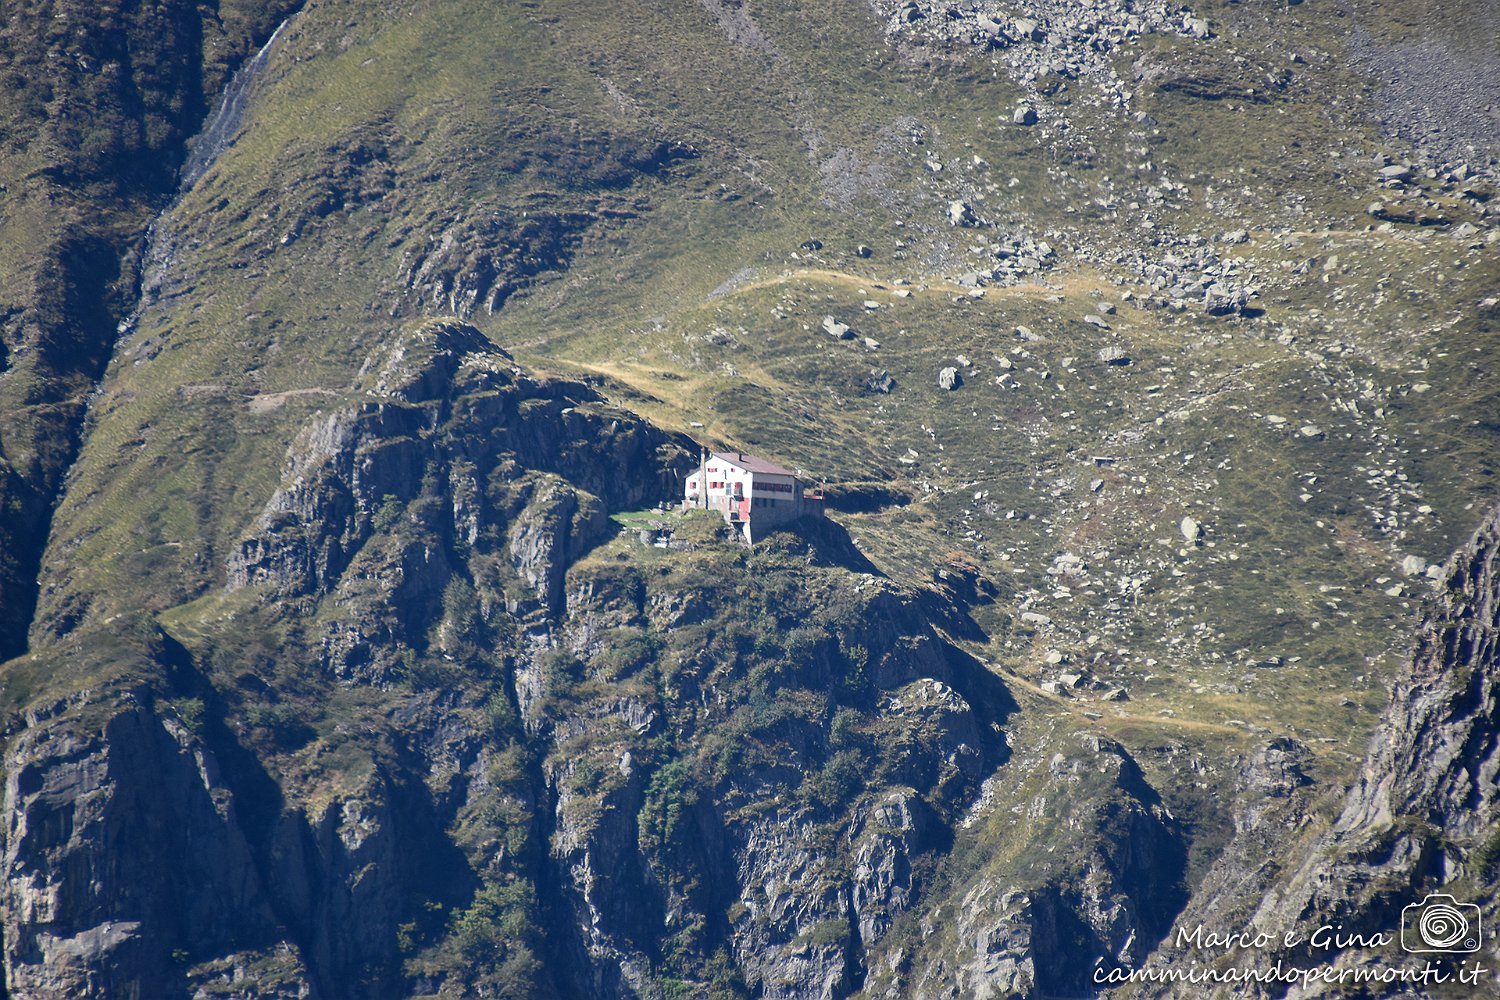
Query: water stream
219,131
216,135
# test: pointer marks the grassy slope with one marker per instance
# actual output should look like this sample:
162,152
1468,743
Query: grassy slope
1277,575
101,99
703,308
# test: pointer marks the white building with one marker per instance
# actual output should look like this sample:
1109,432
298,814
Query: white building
754,495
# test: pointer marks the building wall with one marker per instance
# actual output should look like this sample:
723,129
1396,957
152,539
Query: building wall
764,502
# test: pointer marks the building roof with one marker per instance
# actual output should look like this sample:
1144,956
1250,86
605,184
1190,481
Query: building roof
751,464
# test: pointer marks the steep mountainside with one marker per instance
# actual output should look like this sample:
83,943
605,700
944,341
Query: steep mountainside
1146,352
102,99
1424,815
1421,817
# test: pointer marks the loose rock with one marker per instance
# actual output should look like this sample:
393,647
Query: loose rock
837,330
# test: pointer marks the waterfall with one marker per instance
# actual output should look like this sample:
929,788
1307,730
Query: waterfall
219,131
156,255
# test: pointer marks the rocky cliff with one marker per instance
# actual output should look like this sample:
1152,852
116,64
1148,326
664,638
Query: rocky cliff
758,800
436,500
1420,819
1424,813
1145,353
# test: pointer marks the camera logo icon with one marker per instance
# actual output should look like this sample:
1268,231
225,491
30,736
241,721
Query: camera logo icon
1441,923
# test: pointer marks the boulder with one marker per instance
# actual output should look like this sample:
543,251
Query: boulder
960,214
1028,29
1220,299
837,330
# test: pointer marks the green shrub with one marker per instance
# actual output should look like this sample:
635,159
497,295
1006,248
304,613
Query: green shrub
500,713
388,514
801,644
191,712
500,916
663,819
841,779
461,608
767,644
284,724
1486,859
562,673
628,651
828,932
427,673
843,731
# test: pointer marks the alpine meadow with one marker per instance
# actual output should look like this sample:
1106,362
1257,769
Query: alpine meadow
749,499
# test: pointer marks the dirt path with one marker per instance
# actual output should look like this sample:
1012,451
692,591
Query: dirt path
268,401
925,286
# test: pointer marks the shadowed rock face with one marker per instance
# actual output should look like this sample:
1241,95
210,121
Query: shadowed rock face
1104,899
728,822
443,459
444,404
344,684
635,820
154,847
1435,758
453,445
82,815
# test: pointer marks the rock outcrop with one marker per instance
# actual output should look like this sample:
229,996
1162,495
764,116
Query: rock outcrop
147,853
1038,923
444,441
1421,817
1424,813
86,814
776,830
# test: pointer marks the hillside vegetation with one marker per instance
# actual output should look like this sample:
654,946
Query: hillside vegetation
1169,378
